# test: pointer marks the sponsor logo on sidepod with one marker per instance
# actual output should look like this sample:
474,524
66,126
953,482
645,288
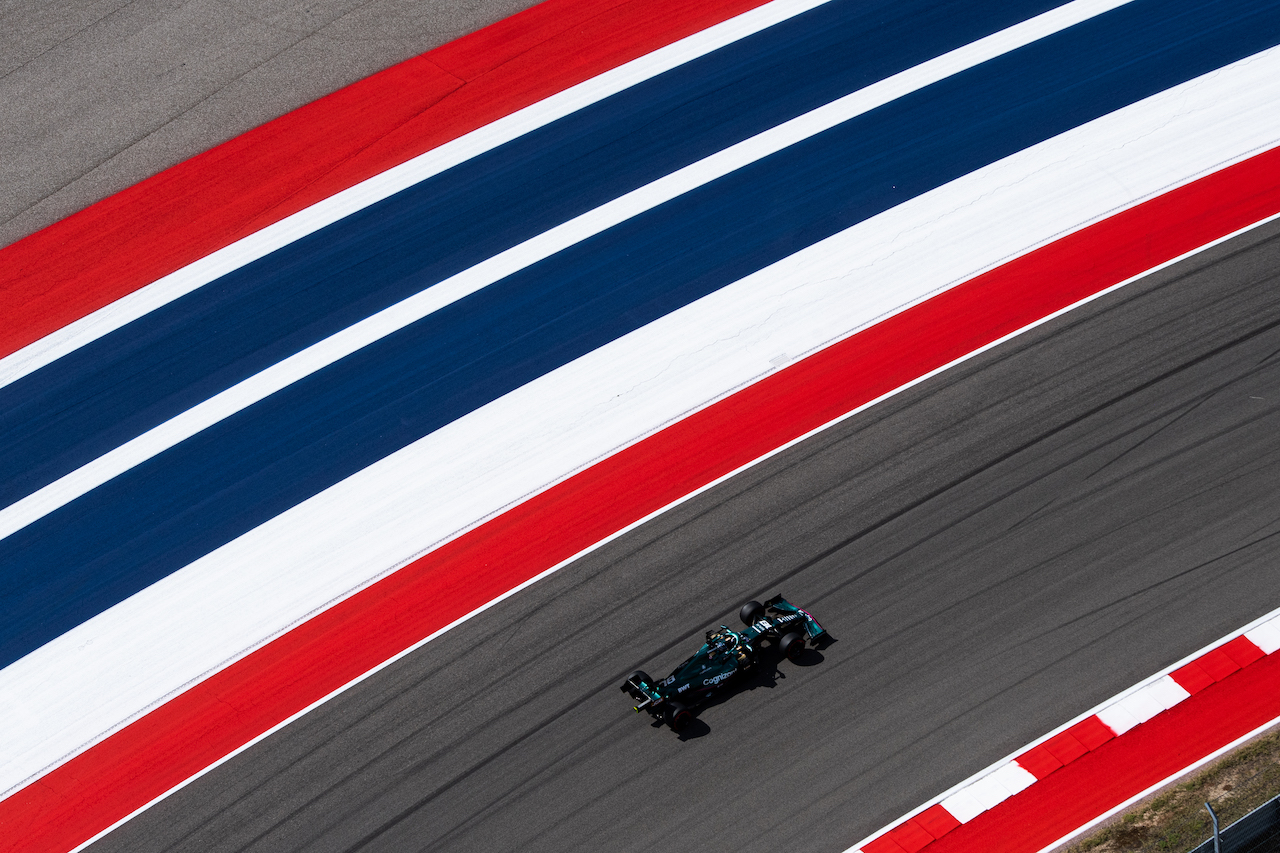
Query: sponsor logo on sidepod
716,679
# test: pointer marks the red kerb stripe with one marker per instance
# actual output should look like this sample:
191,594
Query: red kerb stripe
1038,761
1065,747
1242,650
1192,678
911,837
937,821
172,743
1218,664
883,844
1091,732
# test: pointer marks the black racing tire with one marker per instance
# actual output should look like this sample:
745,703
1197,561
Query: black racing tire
677,716
751,612
792,646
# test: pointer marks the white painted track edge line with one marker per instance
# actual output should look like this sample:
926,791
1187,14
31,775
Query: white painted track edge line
691,495
368,331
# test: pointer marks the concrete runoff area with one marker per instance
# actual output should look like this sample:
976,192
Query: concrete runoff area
995,551
96,96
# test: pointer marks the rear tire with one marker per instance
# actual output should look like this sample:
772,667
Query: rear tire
751,613
792,646
678,717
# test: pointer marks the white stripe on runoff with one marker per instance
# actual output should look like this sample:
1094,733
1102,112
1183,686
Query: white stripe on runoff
181,282
84,685
319,355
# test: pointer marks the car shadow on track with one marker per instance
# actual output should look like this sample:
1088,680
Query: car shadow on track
767,673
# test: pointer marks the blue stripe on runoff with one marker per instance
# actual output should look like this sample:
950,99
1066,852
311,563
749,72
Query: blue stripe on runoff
78,408
203,493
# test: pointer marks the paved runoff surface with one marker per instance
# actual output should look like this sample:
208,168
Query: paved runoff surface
995,550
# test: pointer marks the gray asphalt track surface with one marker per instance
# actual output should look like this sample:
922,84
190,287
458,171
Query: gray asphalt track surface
96,95
996,550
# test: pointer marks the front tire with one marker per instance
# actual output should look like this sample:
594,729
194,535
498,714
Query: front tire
751,613
792,646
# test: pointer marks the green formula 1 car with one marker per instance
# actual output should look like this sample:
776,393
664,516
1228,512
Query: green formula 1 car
725,657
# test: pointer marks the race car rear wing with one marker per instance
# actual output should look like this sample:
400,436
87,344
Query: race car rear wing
638,688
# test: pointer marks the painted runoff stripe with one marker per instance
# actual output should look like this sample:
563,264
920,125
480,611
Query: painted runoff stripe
315,152
236,476
706,446
361,334
164,364
874,51
1108,758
